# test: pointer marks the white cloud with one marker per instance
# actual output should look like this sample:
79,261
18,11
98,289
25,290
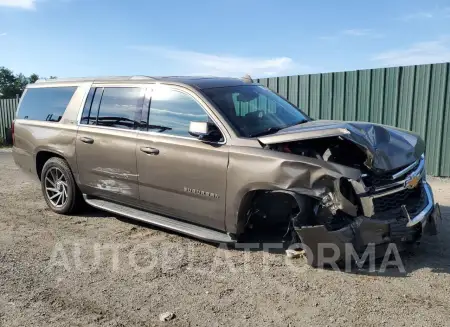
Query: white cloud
354,32
199,63
435,13
3,34
23,4
418,15
418,53
359,32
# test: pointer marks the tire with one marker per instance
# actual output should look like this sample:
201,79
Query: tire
59,188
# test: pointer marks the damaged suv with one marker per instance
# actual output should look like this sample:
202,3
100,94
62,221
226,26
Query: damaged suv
222,158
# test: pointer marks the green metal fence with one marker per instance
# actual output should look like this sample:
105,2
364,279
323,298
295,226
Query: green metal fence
7,113
415,98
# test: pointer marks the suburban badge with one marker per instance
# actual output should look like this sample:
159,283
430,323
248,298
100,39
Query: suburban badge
202,193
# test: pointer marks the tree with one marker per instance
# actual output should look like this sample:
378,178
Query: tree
7,83
13,85
33,78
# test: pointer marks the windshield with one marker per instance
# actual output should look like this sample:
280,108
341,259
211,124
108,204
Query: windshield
253,110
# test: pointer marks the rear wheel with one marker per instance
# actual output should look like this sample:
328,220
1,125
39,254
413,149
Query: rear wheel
59,188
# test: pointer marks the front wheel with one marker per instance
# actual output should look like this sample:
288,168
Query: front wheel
58,186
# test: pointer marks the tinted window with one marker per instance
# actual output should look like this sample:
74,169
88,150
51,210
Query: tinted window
91,107
47,104
119,107
254,111
171,112
242,108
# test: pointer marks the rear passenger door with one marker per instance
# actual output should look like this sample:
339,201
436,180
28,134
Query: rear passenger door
179,175
106,142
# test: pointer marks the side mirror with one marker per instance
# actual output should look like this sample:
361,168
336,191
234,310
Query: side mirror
204,131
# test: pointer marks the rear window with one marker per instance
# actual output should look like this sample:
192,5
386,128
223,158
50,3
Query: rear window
46,104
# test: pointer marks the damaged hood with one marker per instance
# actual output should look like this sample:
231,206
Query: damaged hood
387,148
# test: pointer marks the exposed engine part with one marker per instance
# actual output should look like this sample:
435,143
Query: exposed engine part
296,148
331,221
333,149
329,202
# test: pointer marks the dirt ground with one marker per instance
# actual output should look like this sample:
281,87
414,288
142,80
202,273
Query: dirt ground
100,270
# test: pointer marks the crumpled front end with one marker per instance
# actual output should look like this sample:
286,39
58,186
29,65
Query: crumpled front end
387,201
396,207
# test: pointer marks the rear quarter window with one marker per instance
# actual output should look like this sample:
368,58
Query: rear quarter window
45,104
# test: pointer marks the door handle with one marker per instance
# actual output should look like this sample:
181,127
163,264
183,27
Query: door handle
149,150
87,140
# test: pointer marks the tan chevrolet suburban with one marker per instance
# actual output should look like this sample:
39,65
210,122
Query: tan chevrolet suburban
214,157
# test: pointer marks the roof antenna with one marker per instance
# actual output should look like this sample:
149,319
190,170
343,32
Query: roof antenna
247,79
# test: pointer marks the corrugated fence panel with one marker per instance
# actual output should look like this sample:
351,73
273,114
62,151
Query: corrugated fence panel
351,95
273,84
9,117
391,90
315,96
415,98
304,94
264,81
293,90
326,103
438,90
283,84
338,96
364,88
405,104
421,97
7,113
377,96
445,149
2,118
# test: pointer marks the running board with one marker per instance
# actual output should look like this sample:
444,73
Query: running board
160,221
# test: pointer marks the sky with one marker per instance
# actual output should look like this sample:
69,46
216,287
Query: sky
72,38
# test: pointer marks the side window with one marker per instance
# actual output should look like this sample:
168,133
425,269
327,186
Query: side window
90,110
113,107
45,104
171,112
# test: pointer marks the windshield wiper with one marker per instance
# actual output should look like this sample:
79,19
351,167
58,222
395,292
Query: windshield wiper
272,130
267,131
297,123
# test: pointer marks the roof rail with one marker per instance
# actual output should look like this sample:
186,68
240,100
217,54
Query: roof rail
139,77
90,79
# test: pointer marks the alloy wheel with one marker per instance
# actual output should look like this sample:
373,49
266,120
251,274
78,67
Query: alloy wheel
56,187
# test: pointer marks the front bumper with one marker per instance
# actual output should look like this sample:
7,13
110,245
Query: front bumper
403,230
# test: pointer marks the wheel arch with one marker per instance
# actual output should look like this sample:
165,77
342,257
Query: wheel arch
251,195
42,157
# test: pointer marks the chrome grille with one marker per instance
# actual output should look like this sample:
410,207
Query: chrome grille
375,181
380,180
389,206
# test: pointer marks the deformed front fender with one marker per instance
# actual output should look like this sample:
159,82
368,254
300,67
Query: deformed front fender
253,169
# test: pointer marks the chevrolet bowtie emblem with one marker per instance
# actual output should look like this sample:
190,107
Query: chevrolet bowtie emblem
412,181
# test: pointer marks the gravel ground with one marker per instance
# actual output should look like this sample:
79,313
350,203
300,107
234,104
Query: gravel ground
100,270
